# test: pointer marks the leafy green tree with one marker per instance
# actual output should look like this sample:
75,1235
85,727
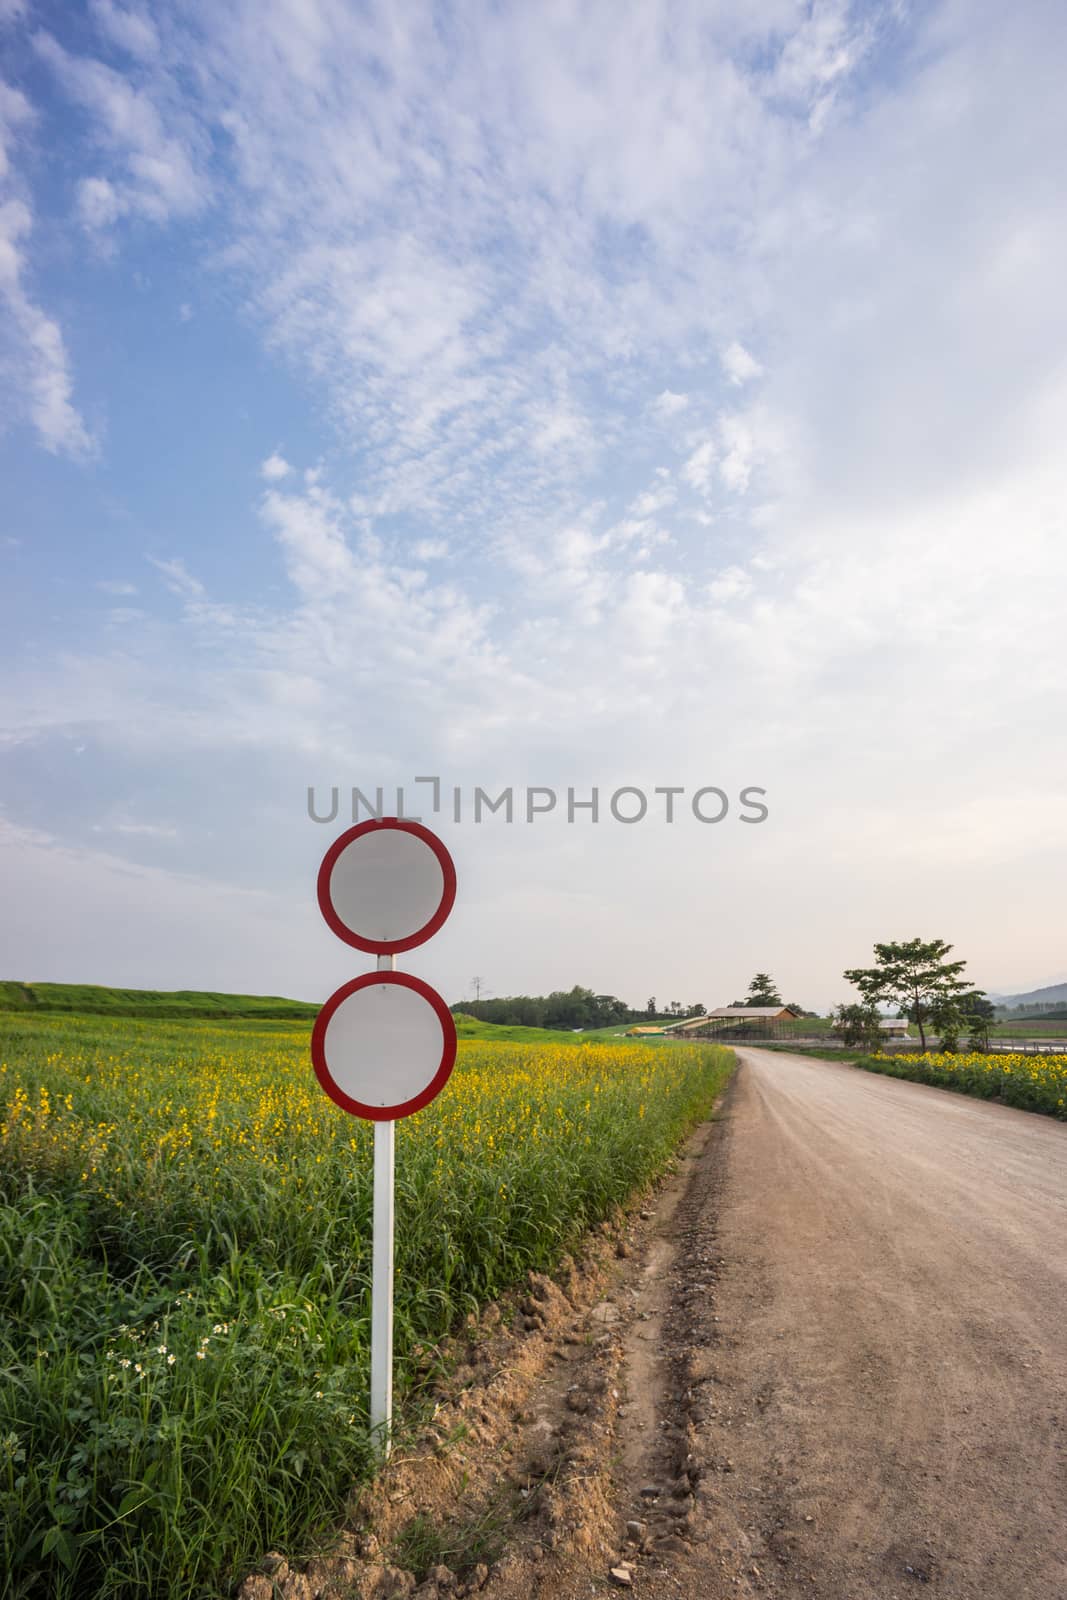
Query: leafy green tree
915,975
858,1026
947,1020
979,1013
762,991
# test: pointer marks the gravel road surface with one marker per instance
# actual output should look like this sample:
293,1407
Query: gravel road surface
887,1342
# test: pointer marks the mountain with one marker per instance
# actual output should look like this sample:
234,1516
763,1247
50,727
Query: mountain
1054,995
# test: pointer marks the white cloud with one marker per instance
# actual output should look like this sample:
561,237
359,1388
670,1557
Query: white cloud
33,355
130,29
141,830
155,146
668,404
442,277
34,365
274,468
310,530
739,445
698,468
652,605
99,204
653,500
116,586
15,113
730,584
821,51
738,365
430,549
179,580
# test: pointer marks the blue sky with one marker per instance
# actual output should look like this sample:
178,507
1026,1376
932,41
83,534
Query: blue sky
577,395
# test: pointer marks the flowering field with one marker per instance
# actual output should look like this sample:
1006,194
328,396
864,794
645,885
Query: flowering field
1032,1082
184,1270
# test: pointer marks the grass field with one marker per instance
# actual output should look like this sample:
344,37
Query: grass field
184,1271
1036,1028
87,999
517,1033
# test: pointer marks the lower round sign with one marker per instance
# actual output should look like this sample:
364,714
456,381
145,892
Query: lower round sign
383,1046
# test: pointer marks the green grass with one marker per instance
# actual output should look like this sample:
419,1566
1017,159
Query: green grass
819,1052
1035,1028
184,1272
91,999
512,1033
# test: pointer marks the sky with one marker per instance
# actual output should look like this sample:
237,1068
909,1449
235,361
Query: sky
573,397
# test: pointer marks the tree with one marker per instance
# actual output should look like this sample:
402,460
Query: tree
947,1019
801,1011
762,991
979,1013
650,1008
915,975
859,1026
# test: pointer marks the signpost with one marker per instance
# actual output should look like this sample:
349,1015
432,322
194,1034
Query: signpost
383,1046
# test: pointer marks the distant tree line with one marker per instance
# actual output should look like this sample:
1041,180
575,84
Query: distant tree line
572,1008
1052,1011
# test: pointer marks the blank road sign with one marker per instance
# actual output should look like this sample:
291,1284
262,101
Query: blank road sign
384,1045
386,886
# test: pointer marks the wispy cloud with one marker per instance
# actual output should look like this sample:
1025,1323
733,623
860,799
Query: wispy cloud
33,357
668,404
739,365
463,286
138,830
178,579
155,146
128,27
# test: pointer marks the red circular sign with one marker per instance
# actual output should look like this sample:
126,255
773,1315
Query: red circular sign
383,1046
386,885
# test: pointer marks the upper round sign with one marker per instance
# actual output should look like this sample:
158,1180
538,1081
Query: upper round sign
386,886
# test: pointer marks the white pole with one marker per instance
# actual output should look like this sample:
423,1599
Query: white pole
381,1294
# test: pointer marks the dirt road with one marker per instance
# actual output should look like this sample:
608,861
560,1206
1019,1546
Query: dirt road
881,1367
827,1357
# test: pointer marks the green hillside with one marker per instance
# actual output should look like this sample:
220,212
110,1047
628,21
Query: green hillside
86,999
472,1028
91,999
